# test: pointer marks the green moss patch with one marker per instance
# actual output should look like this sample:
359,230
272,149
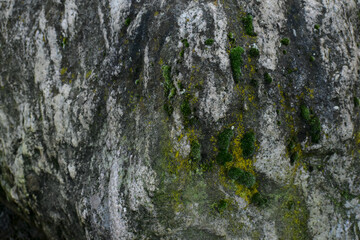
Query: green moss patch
169,88
305,113
209,42
248,144
254,52
356,102
258,200
127,21
195,152
248,25
315,129
267,78
223,157
285,41
236,62
242,177
185,108
224,139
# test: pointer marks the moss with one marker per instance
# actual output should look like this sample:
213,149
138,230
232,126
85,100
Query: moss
284,52
169,88
248,25
254,82
315,129
231,37
63,71
181,54
291,145
305,113
127,21
64,42
258,200
254,52
267,78
137,81
224,139
317,26
185,43
285,41
195,151
242,177
294,157
168,109
209,42
223,157
312,59
248,144
236,62
185,108
356,102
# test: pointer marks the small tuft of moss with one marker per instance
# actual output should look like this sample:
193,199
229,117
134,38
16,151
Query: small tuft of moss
195,151
284,52
315,129
248,25
221,205
137,81
254,52
294,157
231,37
185,43
258,200
267,78
317,26
185,108
209,42
127,21
356,102
312,59
223,157
181,53
242,177
236,62
285,41
305,113
169,88
248,144
168,109
224,139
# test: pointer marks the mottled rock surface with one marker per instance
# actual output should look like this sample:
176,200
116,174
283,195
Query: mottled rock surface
110,113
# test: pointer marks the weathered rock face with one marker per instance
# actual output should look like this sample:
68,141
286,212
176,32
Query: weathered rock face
111,114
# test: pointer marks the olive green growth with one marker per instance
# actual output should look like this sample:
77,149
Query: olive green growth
356,102
294,157
248,25
248,144
267,77
258,200
231,37
64,42
221,205
195,152
254,52
168,109
317,26
223,157
181,54
285,41
224,139
236,62
185,108
315,129
169,88
242,177
209,42
305,113
185,43
312,59
127,21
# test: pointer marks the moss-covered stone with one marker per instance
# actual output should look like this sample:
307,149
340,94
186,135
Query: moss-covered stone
236,62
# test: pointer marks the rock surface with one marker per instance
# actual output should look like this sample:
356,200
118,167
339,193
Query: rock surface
110,113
